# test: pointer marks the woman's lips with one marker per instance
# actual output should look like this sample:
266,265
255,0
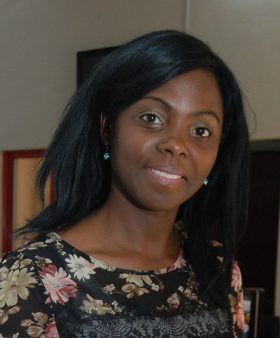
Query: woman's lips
166,177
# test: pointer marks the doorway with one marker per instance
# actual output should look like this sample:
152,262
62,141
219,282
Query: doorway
259,247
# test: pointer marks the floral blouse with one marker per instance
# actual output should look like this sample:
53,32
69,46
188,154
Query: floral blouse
50,289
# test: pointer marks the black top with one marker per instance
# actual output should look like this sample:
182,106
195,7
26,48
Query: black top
50,289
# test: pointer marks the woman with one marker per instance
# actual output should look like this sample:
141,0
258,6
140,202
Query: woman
150,172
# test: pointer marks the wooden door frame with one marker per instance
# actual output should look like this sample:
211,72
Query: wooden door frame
9,158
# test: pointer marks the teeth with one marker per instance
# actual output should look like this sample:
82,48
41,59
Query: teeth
166,175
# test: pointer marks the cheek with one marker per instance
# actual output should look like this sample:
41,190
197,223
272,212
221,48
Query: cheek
204,161
126,154
133,147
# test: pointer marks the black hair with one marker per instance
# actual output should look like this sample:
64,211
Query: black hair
82,178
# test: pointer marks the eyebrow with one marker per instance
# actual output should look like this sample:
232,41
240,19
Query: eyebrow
206,112
166,104
195,113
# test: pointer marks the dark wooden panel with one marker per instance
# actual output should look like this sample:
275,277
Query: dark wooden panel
258,250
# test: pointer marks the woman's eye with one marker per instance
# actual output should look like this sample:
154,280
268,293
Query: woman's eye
200,132
152,118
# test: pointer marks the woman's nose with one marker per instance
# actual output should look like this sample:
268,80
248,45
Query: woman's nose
174,145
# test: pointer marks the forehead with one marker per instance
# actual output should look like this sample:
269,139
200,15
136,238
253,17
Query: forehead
195,90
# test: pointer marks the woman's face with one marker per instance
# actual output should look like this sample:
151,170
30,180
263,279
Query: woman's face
164,145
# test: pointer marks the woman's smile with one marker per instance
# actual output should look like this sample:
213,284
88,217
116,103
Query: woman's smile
167,176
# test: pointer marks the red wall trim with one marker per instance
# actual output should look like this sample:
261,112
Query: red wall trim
8,163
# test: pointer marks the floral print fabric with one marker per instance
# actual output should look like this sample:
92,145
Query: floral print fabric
50,289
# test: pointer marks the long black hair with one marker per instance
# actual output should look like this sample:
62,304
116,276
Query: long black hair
82,177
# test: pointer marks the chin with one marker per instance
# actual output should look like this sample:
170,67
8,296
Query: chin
159,204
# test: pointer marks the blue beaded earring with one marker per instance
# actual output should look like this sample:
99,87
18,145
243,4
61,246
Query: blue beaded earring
205,182
106,154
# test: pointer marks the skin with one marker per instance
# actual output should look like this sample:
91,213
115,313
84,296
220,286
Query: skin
162,148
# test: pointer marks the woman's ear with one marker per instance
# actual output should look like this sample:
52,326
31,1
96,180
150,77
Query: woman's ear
105,129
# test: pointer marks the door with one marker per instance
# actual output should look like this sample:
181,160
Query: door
258,250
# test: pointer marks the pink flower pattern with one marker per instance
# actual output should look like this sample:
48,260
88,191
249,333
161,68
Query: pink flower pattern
180,262
51,330
236,282
58,285
239,311
237,299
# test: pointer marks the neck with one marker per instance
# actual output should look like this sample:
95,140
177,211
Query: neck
127,227
123,235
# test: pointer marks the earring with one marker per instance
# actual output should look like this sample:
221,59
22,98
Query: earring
205,182
106,154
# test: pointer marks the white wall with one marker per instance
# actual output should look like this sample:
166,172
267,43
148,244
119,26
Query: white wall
39,40
246,34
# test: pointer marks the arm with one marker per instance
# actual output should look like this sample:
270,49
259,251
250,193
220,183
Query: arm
23,312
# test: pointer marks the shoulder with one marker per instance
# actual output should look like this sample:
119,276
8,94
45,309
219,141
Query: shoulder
235,290
235,294
43,245
22,300
20,259
18,272
30,257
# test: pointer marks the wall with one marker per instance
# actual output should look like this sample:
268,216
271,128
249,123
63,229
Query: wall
39,40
